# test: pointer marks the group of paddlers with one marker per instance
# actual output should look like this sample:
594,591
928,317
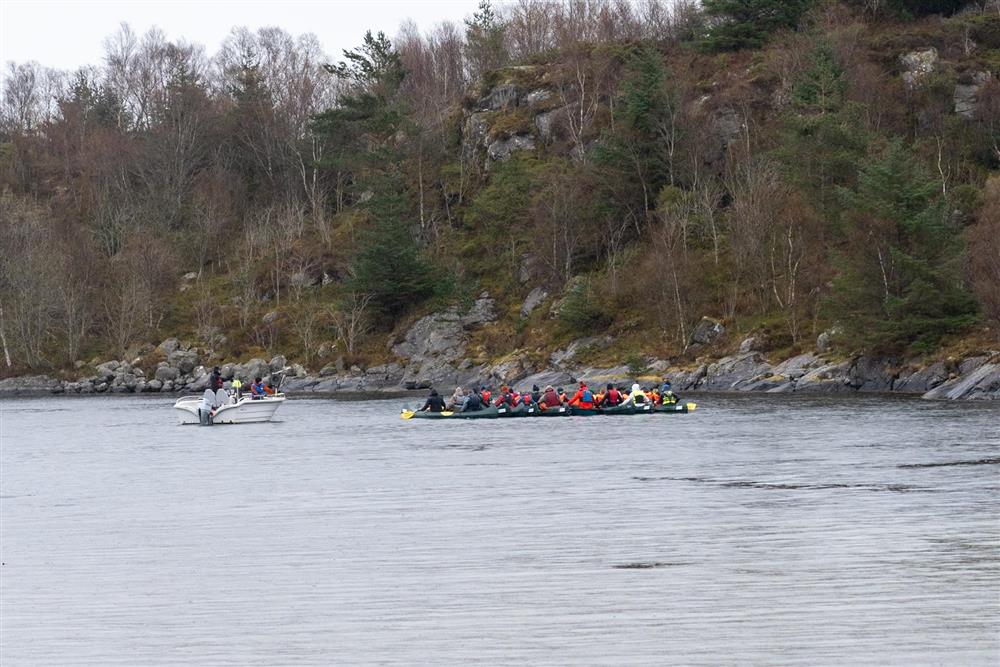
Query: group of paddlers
479,398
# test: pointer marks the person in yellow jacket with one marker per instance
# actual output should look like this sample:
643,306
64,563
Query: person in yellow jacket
237,387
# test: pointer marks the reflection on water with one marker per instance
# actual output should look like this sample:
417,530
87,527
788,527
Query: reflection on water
758,530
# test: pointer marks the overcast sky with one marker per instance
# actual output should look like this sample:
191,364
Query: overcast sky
67,34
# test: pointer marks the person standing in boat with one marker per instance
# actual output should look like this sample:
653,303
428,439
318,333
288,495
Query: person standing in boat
206,407
434,403
237,388
215,382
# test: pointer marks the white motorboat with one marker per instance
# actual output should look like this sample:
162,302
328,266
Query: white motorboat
246,410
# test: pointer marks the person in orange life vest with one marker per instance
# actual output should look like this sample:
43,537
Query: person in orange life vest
550,399
562,394
654,395
486,395
612,397
504,398
599,397
269,389
583,398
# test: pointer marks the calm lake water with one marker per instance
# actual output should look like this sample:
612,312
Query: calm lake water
758,530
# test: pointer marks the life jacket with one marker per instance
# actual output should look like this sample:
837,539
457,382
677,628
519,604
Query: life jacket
669,398
486,397
562,397
614,397
638,397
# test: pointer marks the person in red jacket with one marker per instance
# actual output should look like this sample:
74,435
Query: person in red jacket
583,398
612,397
550,399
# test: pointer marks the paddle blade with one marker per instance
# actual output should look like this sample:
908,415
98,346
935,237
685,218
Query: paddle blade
692,406
406,414
447,414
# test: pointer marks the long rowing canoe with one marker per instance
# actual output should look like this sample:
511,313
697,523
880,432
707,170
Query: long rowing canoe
562,411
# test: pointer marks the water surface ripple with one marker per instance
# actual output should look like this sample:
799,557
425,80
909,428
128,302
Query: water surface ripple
758,530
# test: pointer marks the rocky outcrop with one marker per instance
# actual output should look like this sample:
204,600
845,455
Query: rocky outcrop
707,332
967,92
917,65
435,345
978,378
533,300
501,149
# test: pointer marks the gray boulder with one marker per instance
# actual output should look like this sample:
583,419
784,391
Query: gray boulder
277,363
501,149
164,373
707,331
922,381
751,344
183,360
533,300
168,346
824,342
442,336
827,379
255,368
154,385
107,369
797,366
510,369
730,373
873,373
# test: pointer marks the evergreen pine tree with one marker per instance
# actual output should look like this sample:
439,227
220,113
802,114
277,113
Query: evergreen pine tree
748,24
901,281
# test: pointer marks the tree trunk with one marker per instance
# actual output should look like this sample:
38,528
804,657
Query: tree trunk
3,340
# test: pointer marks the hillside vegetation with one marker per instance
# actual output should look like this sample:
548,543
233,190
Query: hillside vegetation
789,168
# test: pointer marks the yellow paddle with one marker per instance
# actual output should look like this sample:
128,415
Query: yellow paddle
408,414
692,407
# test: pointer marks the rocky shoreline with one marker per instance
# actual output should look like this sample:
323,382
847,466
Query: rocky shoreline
434,352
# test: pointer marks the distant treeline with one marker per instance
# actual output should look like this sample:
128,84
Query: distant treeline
772,163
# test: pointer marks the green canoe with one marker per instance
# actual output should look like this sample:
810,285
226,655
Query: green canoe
561,411
533,411
505,411
485,413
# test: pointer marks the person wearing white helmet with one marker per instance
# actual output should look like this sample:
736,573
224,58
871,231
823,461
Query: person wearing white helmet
637,396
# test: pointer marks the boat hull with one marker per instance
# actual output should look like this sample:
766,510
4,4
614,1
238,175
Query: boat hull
247,411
